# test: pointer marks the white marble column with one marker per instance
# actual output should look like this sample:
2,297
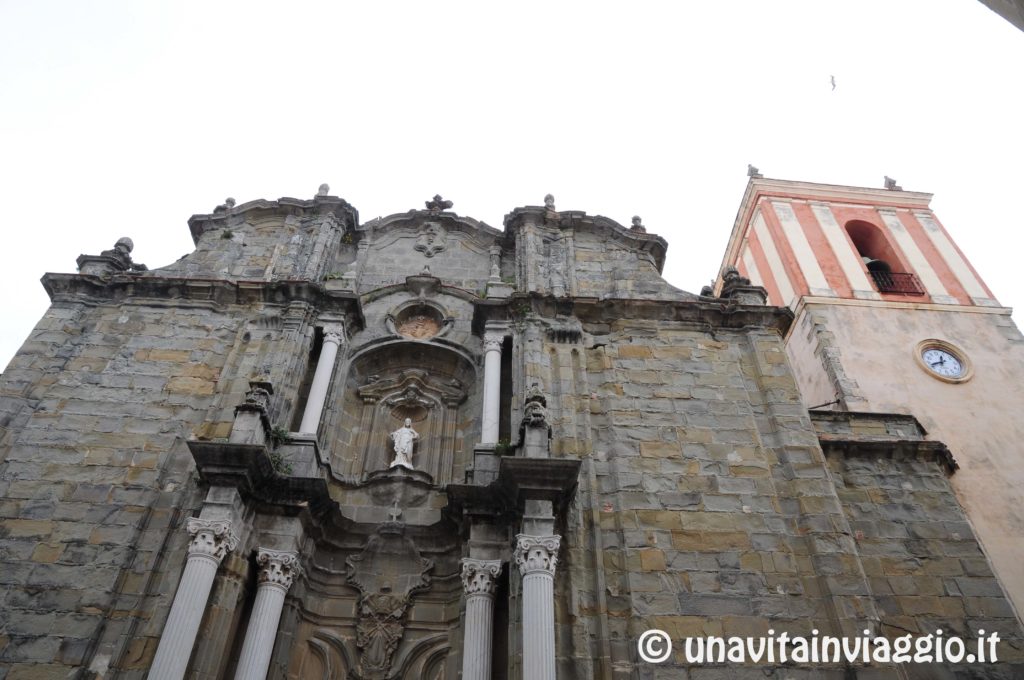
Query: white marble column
536,557
321,382
492,386
479,579
211,541
277,570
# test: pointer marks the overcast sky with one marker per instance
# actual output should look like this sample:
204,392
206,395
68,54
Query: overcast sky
125,118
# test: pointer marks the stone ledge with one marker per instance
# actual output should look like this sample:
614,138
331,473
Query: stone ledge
216,292
703,313
247,467
519,479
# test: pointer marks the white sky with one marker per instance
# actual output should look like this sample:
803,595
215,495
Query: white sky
125,118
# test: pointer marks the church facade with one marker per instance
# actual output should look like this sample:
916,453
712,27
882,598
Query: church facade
423,447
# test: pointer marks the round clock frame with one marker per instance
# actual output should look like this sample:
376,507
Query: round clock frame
967,369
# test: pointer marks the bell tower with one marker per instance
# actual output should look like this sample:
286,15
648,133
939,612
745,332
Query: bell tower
890,317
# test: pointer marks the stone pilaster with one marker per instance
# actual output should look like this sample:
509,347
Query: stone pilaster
211,541
479,579
536,557
278,569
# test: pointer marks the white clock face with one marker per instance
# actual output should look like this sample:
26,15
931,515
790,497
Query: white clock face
942,362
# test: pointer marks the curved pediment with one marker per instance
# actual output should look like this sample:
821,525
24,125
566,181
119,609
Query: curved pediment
417,220
460,251
634,238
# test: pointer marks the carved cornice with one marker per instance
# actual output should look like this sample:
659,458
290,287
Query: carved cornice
480,577
278,568
709,314
330,208
575,220
214,293
537,554
211,538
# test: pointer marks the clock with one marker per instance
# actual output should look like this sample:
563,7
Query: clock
943,361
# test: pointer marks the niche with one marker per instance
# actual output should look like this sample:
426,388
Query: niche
430,385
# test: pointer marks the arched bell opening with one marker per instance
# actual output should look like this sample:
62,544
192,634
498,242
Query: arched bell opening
889,273
432,386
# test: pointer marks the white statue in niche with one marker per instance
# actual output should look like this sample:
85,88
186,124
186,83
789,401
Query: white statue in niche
403,438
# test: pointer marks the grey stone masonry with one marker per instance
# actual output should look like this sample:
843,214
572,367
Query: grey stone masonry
658,434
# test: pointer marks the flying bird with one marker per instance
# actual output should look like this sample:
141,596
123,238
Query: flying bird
833,82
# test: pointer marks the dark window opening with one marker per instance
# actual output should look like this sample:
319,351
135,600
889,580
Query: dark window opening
307,379
505,406
501,628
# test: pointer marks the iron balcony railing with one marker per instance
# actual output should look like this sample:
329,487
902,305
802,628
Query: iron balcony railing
901,283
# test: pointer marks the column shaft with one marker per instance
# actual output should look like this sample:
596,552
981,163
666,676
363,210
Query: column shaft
183,622
537,557
211,541
492,389
254,661
321,383
476,655
479,578
277,571
538,627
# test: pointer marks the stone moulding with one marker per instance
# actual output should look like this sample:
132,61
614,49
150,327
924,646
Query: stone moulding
878,435
247,468
923,450
605,227
699,312
520,479
346,215
219,292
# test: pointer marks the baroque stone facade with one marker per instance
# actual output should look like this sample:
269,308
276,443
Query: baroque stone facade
197,471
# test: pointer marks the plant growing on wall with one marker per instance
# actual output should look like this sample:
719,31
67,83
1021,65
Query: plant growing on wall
278,436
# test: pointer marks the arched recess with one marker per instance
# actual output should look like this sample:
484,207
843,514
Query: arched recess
874,248
433,385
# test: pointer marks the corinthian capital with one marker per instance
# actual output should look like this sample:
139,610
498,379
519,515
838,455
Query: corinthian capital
212,538
479,577
334,333
277,567
537,554
493,340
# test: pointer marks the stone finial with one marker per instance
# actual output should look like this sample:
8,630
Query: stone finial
707,291
535,413
111,261
549,202
437,204
638,225
738,288
323,190
753,172
258,395
535,394
226,206
891,185
731,277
